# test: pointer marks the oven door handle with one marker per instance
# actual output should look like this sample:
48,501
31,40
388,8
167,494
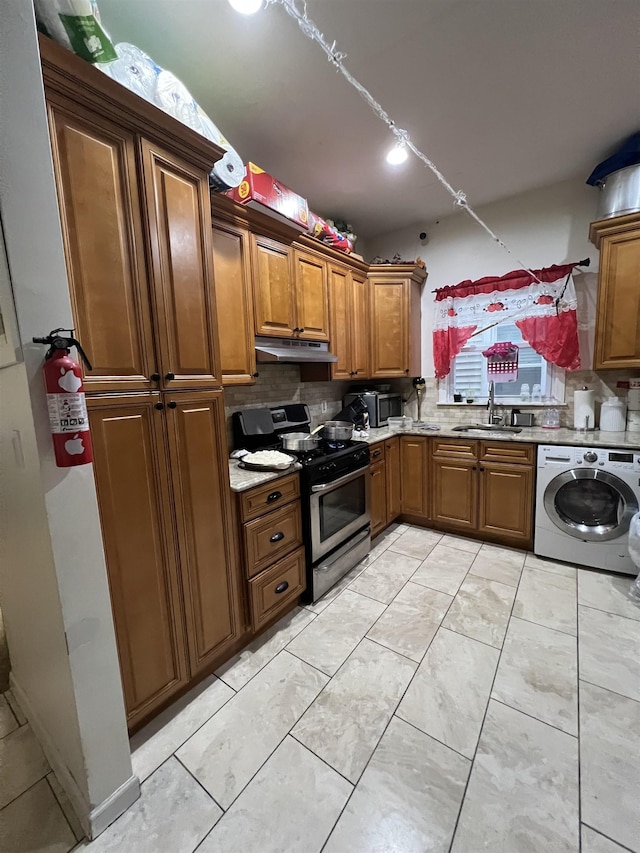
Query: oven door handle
327,487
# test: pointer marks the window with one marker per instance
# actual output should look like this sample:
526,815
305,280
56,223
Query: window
469,370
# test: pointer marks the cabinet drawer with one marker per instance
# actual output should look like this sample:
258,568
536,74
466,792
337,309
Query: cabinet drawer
272,536
507,451
377,452
461,448
272,590
272,495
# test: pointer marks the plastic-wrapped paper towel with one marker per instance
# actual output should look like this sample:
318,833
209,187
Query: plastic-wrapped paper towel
172,96
134,69
76,25
230,170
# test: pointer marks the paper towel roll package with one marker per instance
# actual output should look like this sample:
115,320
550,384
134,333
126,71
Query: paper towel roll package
633,400
584,409
633,421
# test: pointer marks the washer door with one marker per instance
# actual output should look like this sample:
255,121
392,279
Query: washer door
590,505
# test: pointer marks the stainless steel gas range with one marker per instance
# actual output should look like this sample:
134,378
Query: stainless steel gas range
334,487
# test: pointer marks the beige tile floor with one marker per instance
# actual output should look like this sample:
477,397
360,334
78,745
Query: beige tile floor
445,696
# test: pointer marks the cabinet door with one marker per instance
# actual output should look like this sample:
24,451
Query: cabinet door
208,561
389,328
234,304
95,172
506,501
413,469
360,326
129,444
392,459
312,303
339,321
179,228
273,294
378,498
617,342
454,494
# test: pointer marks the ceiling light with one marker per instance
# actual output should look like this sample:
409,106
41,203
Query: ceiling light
246,7
397,155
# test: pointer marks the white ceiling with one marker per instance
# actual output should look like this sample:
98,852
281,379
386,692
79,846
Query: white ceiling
503,95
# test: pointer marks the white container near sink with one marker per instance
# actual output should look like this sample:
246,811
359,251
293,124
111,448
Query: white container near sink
613,415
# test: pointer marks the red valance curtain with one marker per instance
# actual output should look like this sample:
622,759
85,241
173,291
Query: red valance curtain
543,306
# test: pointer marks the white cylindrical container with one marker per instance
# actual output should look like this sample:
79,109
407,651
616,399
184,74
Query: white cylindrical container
633,400
633,421
584,409
613,415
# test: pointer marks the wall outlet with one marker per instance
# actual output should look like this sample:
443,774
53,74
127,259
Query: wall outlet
323,406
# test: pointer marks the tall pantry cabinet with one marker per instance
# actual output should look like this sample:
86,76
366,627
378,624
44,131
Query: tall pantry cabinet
134,203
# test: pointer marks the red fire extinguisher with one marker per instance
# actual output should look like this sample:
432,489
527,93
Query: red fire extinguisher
68,417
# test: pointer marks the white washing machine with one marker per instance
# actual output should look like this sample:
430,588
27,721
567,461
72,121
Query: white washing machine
585,498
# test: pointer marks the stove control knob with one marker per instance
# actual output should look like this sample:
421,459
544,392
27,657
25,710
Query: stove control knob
590,456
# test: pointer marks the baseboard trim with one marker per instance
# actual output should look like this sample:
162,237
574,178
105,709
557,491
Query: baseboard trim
93,821
116,804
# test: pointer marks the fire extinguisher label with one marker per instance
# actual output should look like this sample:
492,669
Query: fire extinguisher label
67,413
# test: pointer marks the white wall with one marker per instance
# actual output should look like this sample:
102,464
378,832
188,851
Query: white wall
53,579
542,227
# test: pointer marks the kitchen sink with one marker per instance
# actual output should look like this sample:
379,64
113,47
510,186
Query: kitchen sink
487,429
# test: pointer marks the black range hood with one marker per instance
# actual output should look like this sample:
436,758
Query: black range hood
292,351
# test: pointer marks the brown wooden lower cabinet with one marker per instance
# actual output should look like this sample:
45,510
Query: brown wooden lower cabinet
414,463
473,493
208,562
392,466
506,501
454,493
164,499
378,498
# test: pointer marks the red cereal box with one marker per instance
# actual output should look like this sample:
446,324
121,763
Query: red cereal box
261,190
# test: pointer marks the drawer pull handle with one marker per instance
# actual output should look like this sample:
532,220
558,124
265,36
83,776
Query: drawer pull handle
277,536
273,496
281,587
377,453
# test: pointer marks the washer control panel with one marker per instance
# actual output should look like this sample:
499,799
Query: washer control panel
591,457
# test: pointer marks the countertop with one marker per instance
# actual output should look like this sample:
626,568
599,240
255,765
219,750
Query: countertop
243,479
531,435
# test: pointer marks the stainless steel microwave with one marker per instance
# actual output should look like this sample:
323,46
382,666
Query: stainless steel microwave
381,406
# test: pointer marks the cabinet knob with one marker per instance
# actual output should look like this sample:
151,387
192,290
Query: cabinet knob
255,375
281,587
159,405
273,496
155,377
407,371
169,376
301,330
277,537
172,404
296,329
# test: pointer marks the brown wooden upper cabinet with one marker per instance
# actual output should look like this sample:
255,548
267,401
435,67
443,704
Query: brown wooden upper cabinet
95,170
349,322
617,337
179,231
274,297
312,302
106,227
395,320
234,303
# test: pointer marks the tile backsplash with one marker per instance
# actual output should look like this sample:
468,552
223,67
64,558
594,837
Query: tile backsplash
280,383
